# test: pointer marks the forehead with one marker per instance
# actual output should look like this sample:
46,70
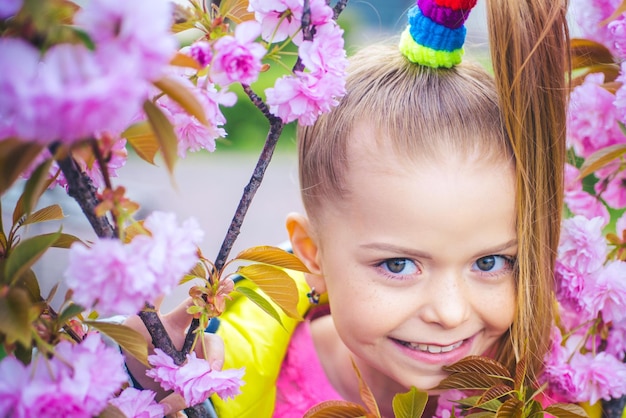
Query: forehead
390,190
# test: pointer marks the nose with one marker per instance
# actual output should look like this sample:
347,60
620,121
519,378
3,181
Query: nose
447,300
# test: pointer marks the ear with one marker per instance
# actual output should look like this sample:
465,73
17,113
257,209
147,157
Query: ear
305,246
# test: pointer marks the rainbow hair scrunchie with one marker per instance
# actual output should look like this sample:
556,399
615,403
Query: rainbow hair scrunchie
436,32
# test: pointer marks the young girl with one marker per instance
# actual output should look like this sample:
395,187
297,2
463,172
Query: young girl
433,200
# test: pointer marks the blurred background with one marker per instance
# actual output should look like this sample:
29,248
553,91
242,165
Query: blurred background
208,186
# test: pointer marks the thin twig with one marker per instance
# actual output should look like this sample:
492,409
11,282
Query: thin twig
339,7
104,169
160,337
81,188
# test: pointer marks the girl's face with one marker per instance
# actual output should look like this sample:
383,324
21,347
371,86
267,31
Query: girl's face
418,262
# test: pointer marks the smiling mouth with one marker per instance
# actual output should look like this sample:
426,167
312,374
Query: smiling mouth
428,348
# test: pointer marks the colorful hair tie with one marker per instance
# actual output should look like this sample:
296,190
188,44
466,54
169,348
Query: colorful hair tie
436,32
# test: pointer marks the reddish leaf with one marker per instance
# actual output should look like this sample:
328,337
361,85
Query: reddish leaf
513,408
601,158
467,381
366,393
494,392
560,410
479,364
520,374
336,409
586,52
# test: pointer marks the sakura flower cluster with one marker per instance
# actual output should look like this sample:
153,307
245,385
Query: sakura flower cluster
304,95
66,385
588,349
117,278
135,403
71,92
195,381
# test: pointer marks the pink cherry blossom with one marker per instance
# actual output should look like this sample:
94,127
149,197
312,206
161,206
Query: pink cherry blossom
304,96
620,101
582,245
9,8
612,185
71,92
607,292
446,402
557,371
238,58
282,19
136,403
588,16
201,52
592,117
617,33
118,278
193,135
170,251
109,277
325,53
579,201
120,28
194,380
66,385
598,376
616,341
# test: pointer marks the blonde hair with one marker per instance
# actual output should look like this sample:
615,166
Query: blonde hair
518,115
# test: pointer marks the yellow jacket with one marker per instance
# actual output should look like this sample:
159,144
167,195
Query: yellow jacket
257,342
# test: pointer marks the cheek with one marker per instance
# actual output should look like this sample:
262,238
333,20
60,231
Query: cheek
498,308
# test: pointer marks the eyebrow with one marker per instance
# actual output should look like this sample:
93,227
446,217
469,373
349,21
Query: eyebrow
420,254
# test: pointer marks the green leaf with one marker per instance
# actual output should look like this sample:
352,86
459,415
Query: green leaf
601,158
561,410
366,393
274,256
276,284
28,281
3,352
260,301
26,253
15,157
33,189
164,133
15,323
482,414
49,213
179,92
66,241
336,409
480,364
410,404
129,339
143,140
70,312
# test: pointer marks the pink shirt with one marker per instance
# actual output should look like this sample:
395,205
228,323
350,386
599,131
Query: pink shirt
302,382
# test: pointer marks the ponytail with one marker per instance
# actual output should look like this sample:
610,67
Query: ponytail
529,49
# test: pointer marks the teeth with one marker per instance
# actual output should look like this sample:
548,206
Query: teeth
434,349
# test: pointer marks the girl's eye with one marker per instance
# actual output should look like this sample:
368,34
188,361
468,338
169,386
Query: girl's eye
399,266
492,263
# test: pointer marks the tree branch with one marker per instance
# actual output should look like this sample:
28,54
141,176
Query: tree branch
81,188
339,7
160,337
